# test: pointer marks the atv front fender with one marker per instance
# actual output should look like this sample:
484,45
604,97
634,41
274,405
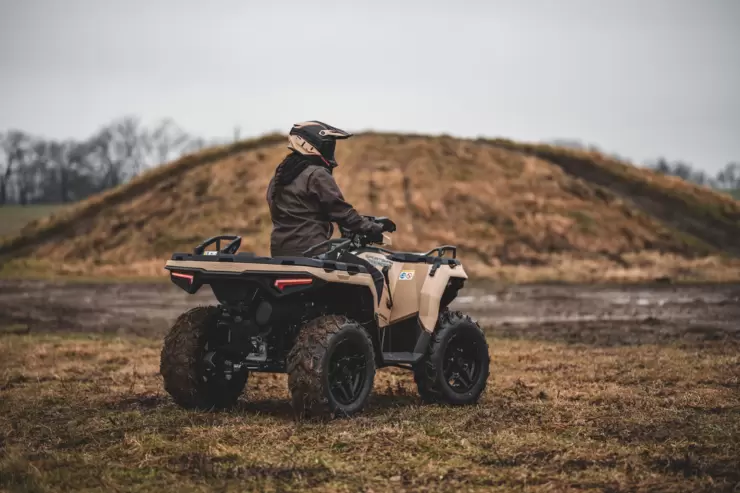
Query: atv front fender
432,291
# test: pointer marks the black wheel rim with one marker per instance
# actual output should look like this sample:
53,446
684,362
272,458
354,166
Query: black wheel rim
462,363
212,372
347,372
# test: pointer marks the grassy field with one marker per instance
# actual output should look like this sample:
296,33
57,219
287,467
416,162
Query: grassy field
88,413
14,217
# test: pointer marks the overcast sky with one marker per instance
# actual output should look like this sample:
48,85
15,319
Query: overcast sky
641,77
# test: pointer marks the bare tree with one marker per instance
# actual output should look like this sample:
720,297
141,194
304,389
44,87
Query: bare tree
77,176
129,140
167,142
59,155
194,144
15,146
33,172
117,150
661,166
34,169
102,154
6,169
729,177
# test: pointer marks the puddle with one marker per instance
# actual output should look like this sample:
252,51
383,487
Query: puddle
488,299
148,308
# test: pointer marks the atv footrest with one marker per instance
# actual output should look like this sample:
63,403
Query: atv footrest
401,357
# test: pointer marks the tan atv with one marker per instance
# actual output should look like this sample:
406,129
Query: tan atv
328,320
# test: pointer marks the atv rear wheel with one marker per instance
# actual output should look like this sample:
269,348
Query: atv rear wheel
331,368
183,364
456,367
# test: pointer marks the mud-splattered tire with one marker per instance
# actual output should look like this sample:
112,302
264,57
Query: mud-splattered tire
331,368
456,367
182,368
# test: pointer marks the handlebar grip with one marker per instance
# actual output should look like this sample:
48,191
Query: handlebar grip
386,223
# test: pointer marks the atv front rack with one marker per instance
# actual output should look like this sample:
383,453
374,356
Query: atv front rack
416,258
440,251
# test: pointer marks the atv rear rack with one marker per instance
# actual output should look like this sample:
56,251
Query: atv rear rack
250,258
232,247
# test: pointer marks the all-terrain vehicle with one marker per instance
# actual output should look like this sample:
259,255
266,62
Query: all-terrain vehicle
328,319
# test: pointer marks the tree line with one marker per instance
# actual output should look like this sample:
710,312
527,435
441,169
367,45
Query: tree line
37,170
726,179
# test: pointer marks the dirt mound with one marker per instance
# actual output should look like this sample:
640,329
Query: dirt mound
518,212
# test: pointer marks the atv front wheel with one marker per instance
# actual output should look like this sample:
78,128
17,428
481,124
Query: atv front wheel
184,368
456,367
331,368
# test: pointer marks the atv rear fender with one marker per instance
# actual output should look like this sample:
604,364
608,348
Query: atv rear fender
191,271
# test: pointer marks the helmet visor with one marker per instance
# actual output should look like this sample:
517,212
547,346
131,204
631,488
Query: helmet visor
327,150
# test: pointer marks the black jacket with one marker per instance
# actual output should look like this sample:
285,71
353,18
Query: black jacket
304,200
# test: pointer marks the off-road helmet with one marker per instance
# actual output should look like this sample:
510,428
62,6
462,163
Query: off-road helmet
314,138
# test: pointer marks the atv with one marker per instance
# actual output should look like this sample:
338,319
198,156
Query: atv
328,319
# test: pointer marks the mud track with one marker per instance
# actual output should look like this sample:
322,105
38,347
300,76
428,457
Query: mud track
603,316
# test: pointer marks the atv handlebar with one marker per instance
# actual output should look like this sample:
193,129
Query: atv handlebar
387,225
336,242
350,238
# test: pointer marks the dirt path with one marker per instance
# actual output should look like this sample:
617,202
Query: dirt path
587,314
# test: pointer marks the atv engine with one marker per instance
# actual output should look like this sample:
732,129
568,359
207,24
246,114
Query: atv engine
246,329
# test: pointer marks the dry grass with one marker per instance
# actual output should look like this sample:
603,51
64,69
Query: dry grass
694,209
515,214
13,218
89,413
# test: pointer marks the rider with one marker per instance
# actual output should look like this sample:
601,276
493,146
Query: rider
305,199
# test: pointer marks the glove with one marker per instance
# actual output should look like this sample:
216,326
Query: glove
376,229
374,232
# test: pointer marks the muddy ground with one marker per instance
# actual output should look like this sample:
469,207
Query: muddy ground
602,315
592,388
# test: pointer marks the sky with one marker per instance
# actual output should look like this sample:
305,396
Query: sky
642,78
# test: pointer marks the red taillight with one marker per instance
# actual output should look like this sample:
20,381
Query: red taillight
189,277
283,283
